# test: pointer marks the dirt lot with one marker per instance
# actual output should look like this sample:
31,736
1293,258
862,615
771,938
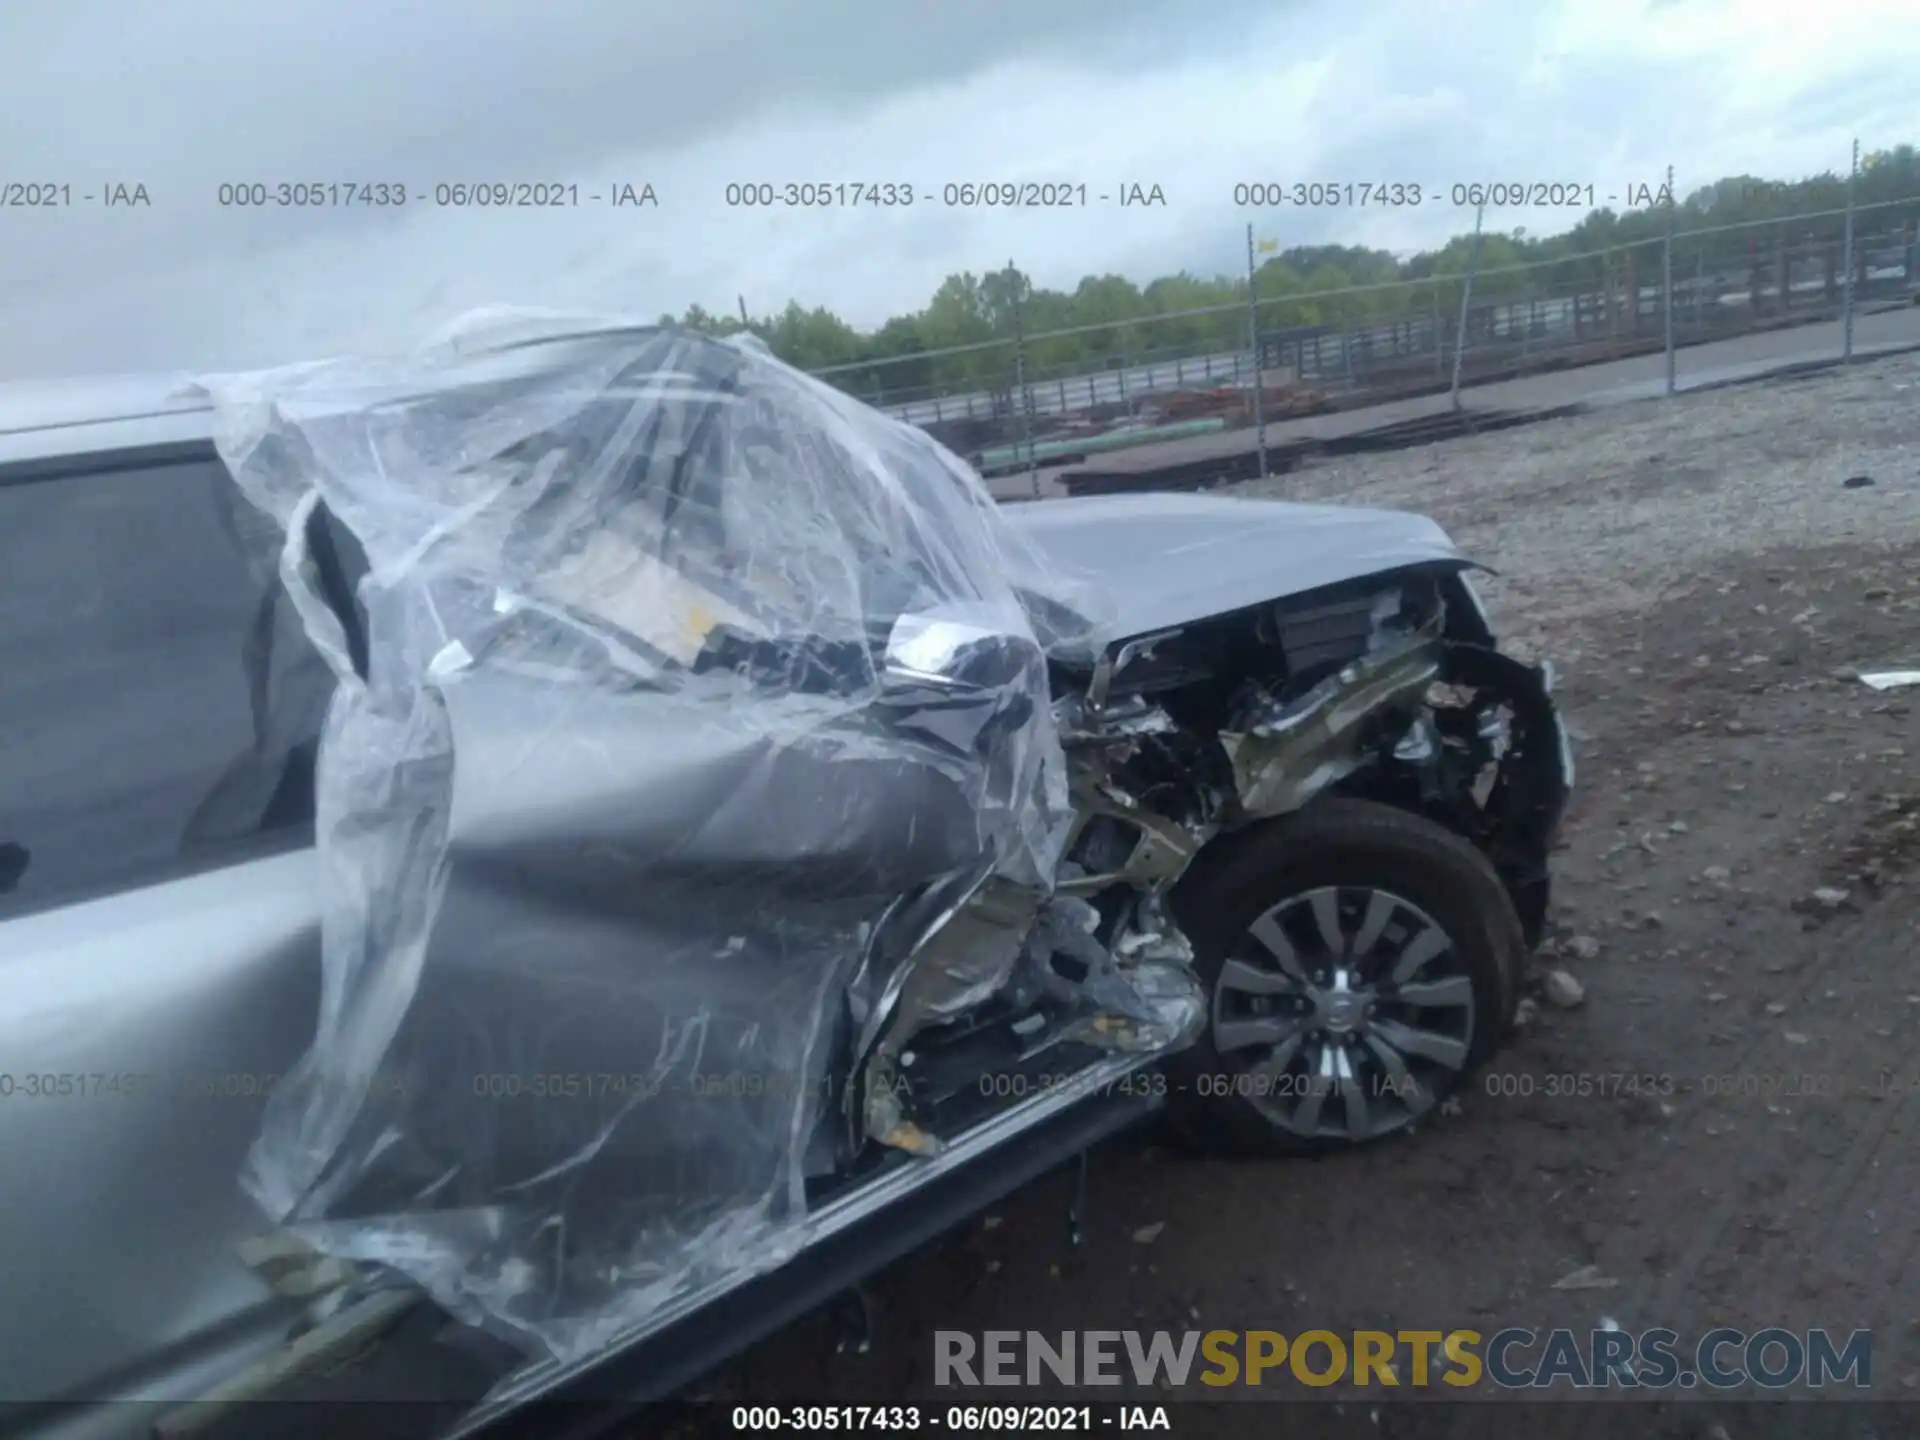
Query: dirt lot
1705,576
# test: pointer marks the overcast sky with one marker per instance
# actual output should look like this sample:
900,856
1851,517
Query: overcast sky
185,96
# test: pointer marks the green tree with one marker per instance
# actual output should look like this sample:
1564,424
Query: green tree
1110,320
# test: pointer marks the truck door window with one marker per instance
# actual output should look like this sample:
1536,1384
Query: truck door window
159,706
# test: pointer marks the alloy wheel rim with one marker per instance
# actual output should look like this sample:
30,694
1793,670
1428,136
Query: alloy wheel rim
1342,1013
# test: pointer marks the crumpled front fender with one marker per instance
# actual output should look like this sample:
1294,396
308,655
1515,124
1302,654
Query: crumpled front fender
1300,748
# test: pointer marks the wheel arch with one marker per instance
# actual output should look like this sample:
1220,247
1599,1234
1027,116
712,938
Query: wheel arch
1457,888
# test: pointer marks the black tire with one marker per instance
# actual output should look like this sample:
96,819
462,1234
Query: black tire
1335,843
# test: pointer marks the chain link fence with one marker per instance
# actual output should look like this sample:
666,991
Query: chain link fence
1034,398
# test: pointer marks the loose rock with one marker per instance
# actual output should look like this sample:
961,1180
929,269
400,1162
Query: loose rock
1562,989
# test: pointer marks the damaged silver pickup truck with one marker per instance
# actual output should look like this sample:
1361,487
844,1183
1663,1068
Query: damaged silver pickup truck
684,844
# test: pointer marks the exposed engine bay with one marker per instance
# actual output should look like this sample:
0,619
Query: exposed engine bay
1390,688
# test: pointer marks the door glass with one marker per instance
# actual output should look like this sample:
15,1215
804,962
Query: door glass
159,705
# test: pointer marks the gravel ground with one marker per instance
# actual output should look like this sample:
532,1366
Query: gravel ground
1583,516
1705,576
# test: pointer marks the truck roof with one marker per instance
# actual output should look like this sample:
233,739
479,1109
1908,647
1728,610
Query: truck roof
44,419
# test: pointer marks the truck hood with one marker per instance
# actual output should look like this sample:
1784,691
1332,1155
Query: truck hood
1164,560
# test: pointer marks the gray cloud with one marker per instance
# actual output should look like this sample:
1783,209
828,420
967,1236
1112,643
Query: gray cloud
204,91
187,96
437,88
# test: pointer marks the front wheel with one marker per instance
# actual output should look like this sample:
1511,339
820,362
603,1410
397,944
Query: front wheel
1359,962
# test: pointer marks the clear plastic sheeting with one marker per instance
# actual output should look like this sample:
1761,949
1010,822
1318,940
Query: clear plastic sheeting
671,673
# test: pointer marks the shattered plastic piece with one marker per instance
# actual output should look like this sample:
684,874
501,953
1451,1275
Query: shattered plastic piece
1587,1277
452,659
558,1081
1147,1234
1147,1001
966,955
1625,1363
1889,679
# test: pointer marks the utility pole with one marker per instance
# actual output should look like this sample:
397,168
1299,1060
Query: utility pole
1466,299
1666,276
1025,397
1846,343
1253,344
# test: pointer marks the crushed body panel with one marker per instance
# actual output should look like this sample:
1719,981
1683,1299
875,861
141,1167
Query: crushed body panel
615,795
